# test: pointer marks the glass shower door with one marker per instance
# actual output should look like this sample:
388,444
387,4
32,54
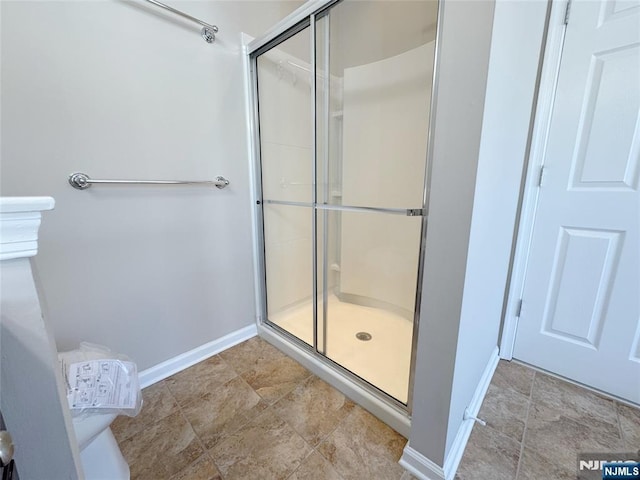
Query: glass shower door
373,94
286,155
343,109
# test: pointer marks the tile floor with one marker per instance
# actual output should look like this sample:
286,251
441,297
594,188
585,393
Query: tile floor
537,425
253,413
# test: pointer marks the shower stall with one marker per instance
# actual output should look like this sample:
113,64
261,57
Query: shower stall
341,94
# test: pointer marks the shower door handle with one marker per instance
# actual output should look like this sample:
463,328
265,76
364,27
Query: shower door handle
415,212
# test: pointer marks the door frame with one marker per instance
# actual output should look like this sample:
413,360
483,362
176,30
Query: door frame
533,174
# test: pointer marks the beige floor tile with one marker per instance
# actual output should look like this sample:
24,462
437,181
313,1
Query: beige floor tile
157,404
577,403
362,447
161,450
505,410
265,448
559,438
314,409
223,411
514,376
272,379
250,354
407,476
535,467
201,469
630,425
225,402
199,379
315,467
489,455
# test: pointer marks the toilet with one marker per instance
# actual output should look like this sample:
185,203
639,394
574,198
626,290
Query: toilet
99,452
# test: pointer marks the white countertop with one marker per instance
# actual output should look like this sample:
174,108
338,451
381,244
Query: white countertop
19,224
25,204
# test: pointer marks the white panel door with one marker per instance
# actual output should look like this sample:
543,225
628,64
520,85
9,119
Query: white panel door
580,315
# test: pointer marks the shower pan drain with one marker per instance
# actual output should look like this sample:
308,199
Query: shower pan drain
364,336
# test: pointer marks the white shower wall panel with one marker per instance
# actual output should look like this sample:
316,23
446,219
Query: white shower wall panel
386,105
288,247
287,174
380,260
286,102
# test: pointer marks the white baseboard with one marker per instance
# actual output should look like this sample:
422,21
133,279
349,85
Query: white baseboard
184,360
420,466
423,468
464,431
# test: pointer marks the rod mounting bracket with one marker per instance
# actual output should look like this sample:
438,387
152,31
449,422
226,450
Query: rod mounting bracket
209,33
79,180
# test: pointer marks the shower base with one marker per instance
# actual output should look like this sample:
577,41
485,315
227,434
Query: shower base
384,360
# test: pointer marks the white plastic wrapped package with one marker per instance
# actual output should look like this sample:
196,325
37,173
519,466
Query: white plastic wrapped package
100,381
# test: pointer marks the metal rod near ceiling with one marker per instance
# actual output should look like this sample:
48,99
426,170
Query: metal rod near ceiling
208,31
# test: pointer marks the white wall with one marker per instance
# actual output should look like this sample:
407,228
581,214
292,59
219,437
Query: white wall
124,90
479,158
515,55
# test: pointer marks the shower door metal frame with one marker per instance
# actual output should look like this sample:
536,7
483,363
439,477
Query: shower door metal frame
305,17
